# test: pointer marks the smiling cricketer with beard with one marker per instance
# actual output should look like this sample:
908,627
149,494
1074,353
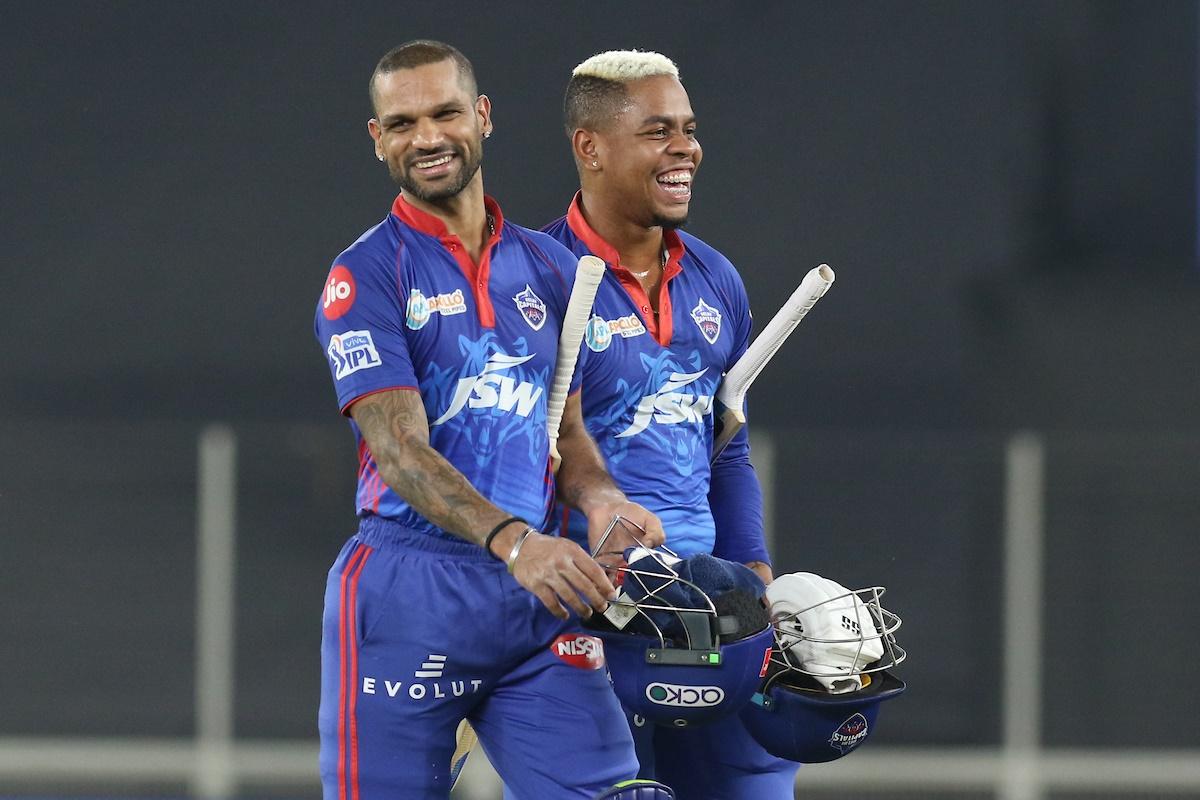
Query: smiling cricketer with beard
440,328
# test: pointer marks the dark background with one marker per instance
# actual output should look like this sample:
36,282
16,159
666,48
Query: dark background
1005,189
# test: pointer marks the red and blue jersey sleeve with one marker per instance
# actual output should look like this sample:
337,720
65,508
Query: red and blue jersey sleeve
359,323
734,493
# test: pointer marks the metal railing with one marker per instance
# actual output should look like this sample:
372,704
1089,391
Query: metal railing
214,763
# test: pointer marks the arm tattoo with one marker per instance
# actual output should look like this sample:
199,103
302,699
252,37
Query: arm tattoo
397,432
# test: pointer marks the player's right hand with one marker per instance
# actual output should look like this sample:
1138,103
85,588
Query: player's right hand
563,576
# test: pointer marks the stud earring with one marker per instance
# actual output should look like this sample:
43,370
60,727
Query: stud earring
487,134
379,156
595,163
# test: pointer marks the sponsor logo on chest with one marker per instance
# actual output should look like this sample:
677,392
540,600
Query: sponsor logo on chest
600,331
421,308
670,405
491,388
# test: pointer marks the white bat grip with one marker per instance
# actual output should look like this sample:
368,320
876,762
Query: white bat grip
575,320
766,344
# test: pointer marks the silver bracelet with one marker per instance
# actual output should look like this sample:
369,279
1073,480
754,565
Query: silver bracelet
512,556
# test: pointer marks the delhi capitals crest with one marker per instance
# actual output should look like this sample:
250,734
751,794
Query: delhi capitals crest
708,320
531,307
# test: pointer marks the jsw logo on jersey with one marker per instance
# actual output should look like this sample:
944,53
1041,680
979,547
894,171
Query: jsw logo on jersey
489,389
670,406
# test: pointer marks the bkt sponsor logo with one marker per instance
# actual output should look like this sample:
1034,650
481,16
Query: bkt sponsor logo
351,351
671,694
490,389
669,405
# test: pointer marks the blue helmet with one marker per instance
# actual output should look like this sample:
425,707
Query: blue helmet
688,640
814,707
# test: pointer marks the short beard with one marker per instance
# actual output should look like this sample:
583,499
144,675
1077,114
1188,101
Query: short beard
669,224
465,174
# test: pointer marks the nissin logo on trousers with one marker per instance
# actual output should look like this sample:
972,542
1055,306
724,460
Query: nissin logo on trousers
579,650
490,389
670,694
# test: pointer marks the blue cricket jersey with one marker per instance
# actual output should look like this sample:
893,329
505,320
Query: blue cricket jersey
648,385
404,307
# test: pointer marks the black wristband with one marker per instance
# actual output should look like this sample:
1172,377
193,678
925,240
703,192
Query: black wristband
487,542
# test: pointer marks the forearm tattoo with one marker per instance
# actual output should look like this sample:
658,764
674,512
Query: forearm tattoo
397,431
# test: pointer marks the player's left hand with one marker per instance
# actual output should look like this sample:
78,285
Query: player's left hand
599,518
762,570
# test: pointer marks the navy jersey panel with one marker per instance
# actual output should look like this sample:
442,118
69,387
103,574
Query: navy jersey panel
400,311
648,403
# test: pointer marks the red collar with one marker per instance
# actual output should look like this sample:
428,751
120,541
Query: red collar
427,223
661,330
476,274
580,227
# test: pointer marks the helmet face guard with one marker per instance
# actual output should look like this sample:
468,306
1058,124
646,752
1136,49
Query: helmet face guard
814,712
673,658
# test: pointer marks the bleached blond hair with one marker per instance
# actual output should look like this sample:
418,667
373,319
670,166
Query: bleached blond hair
597,92
623,66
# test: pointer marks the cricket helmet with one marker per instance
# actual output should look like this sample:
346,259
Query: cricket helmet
828,671
687,641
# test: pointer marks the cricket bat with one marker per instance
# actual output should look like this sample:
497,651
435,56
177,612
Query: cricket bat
730,411
464,742
575,320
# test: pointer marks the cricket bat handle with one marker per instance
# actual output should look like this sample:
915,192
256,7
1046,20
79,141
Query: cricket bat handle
575,319
731,396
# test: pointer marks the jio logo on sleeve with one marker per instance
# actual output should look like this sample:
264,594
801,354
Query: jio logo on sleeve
339,293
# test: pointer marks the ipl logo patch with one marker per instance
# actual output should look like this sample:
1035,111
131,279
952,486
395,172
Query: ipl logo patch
598,334
708,320
849,734
531,307
351,351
